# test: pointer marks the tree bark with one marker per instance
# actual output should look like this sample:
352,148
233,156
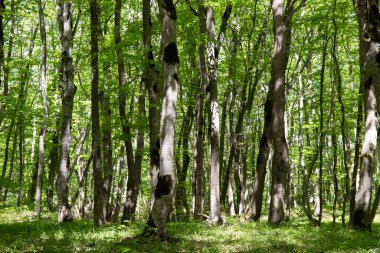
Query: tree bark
165,188
53,168
43,83
212,51
182,207
359,9
99,218
64,15
369,12
107,152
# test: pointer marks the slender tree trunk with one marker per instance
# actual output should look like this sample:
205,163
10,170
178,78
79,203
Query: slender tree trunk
198,170
11,162
107,152
212,51
116,207
6,155
181,199
154,89
21,164
53,168
165,188
64,15
82,177
43,75
321,133
2,8
99,218
343,122
132,190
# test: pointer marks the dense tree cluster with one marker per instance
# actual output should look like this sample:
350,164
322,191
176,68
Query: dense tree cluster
190,109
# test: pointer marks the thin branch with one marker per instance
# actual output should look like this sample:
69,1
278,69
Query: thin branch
191,9
290,11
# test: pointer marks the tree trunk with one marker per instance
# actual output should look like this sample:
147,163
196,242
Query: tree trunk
181,199
369,12
165,188
99,218
107,151
359,8
11,162
64,13
2,8
53,168
335,174
212,51
154,91
43,75
132,190
198,170
338,80
6,155
321,132
280,163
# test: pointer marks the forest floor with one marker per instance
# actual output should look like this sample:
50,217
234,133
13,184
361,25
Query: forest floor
20,231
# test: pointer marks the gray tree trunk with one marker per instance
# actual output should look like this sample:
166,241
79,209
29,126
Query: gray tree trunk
64,15
369,12
212,51
165,188
43,75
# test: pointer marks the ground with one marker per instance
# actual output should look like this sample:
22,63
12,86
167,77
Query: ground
21,232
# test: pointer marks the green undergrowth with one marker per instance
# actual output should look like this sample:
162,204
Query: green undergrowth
21,232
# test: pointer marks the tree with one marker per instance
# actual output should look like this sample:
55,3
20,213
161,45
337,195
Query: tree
165,188
99,218
369,18
43,75
282,15
64,15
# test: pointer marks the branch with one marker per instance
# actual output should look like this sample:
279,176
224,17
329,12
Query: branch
191,9
290,11
223,27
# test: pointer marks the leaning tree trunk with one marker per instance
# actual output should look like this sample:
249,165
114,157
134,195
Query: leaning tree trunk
43,74
369,12
64,13
165,188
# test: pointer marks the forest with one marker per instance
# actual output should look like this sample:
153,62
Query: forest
189,126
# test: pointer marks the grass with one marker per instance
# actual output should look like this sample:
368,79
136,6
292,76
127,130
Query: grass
21,232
